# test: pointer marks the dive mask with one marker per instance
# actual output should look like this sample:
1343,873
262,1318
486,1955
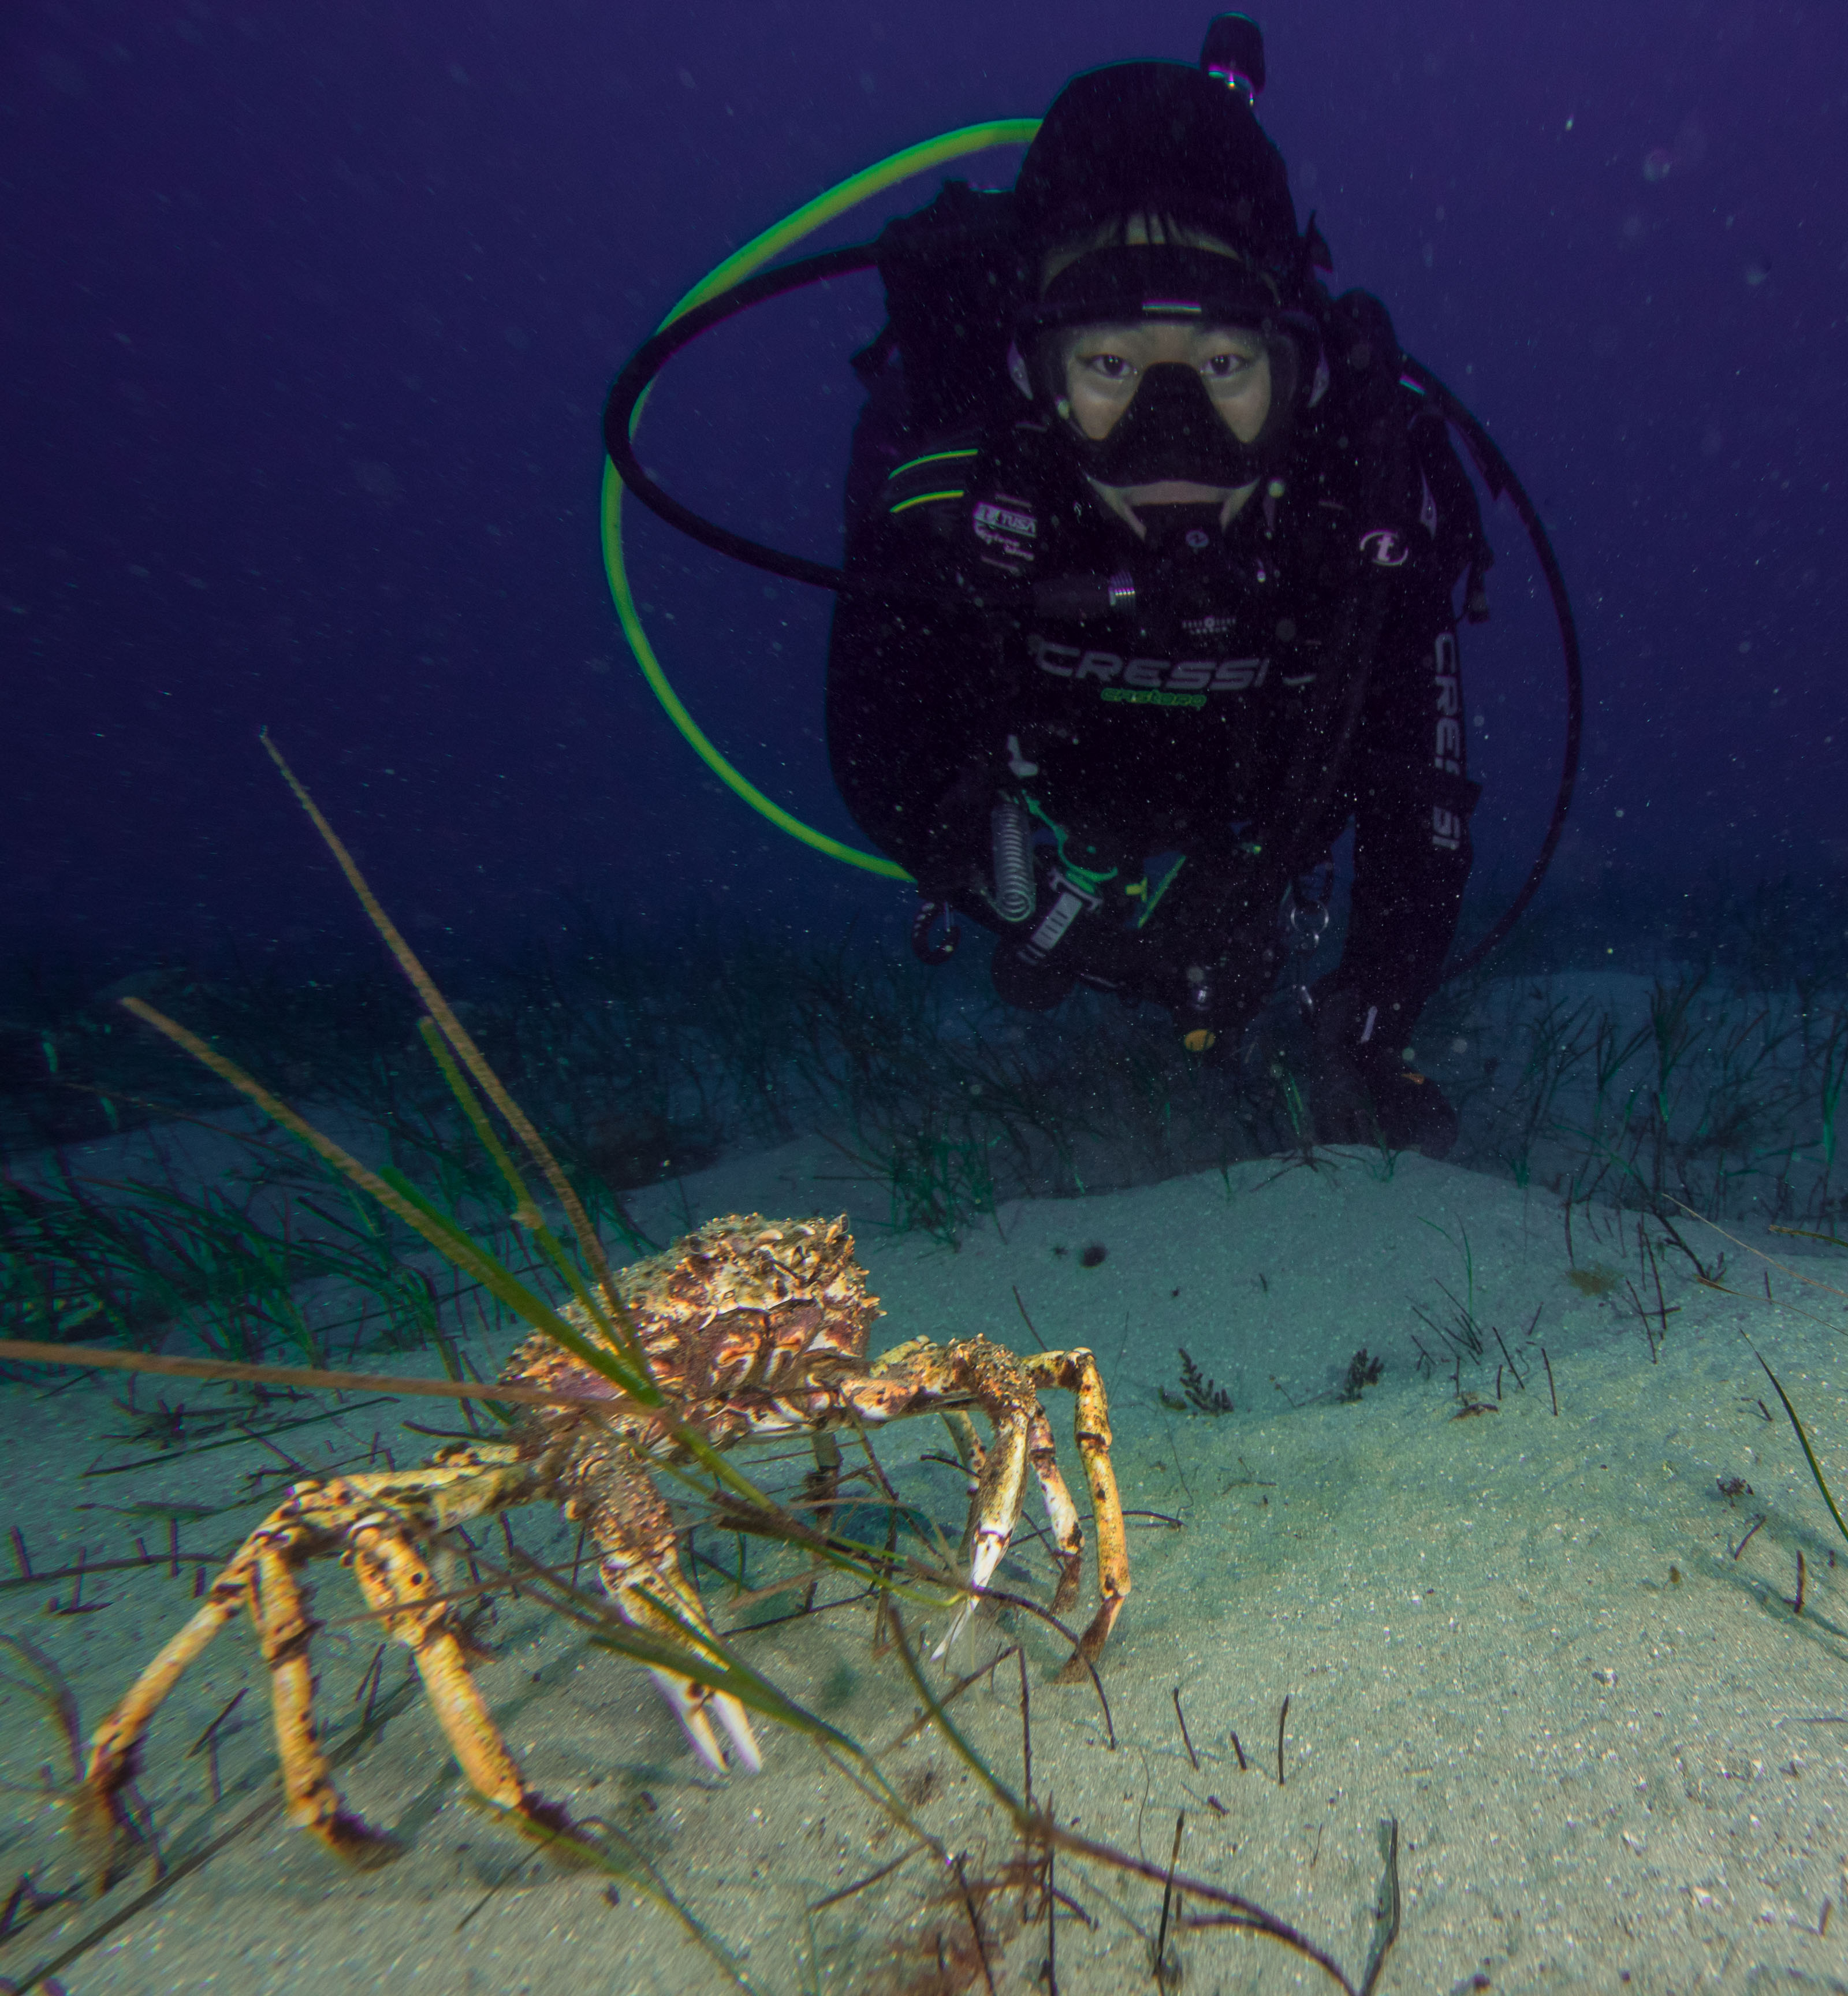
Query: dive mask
1171,429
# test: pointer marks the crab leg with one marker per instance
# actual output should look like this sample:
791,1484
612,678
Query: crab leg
284,1630
1067,1534
393,1573
918,1375
821,1487
640,1571
821,1494
398,1586
1076,1372
115,1748
1061,1514
378,1518
984,1369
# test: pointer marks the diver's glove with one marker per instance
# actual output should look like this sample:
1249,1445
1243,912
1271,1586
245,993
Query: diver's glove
1361,1092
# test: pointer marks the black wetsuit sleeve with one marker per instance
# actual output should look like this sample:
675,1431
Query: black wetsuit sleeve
1411,799
914,700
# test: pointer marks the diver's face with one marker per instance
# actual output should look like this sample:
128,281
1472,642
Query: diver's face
1104,366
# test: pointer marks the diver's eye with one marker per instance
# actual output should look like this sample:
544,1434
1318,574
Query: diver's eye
1111,366
1224,366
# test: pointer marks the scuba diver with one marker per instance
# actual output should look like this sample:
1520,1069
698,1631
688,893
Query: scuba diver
1159,560
1153,554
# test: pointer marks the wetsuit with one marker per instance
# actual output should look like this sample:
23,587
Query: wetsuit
1273,680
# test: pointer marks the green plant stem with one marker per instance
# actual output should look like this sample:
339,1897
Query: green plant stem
28,1352
1039,1828
1809,1455
454,1031
450,1241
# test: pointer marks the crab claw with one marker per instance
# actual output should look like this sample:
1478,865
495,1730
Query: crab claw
691,1703
991,1542
737,1723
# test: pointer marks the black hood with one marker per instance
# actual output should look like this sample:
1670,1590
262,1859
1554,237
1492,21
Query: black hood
1158,137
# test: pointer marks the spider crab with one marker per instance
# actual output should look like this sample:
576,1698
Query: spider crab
756,1328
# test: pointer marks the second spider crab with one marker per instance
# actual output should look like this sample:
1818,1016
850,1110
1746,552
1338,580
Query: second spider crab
755,1328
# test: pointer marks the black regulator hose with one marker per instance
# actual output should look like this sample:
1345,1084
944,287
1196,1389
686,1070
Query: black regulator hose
1056,596
648,359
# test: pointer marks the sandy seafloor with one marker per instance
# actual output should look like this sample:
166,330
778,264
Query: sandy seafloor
1605,1776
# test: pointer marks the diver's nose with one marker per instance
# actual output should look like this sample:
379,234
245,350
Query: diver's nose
1172,398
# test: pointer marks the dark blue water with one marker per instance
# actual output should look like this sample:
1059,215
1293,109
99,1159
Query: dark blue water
308,315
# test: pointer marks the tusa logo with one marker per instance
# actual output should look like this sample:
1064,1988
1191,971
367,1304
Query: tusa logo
1384,548
992,520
